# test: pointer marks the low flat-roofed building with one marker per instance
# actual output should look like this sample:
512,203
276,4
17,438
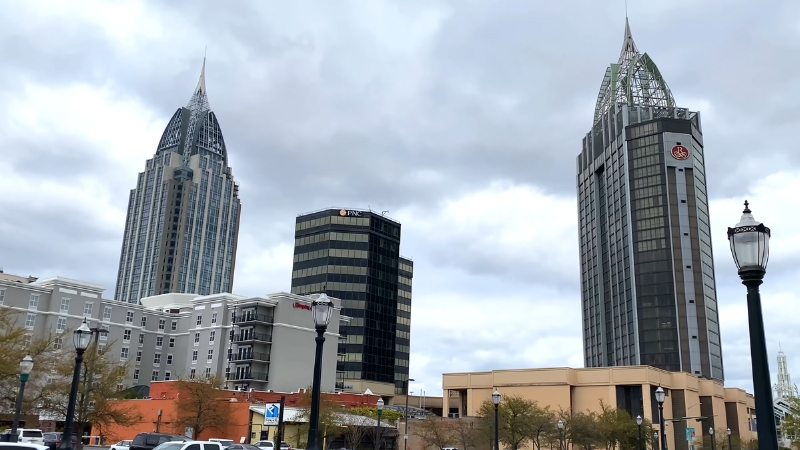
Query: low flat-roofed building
629,388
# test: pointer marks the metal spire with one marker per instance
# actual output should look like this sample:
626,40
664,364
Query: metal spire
199,100
633,80
784,388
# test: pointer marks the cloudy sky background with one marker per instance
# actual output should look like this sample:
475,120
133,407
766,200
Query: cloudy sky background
462,118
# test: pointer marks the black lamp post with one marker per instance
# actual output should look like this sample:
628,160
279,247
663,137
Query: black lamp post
496,401
660,397
405,415
81,338
561,433
749,241
711,435
322,309
25,367
378,430
639,424
730,446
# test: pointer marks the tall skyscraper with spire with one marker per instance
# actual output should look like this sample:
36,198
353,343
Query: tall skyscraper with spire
182,223
647,272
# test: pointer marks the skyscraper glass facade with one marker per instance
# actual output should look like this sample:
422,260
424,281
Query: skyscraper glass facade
354,255
647,274
182,222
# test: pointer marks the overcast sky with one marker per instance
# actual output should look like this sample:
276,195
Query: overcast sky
462,118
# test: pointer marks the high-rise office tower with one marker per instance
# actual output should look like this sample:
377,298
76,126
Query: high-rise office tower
354,255
182,224
647,272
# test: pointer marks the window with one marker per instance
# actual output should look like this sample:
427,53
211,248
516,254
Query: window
141,339
214,318
231,335
129,317
162,324
192,374
87,309
120,387
159,341
212,337
155,376
2,296
197,339
167,375
174,325
144,321
101,348
172,342
34,302
136,374
228,373
62,324
199,319
210,355
123,353
230,354
30,321
126,336
194,357
58,343
169,359
157,358
208,372
106,313
104,336
65,305
139,356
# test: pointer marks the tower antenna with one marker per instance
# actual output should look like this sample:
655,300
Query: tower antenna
626,9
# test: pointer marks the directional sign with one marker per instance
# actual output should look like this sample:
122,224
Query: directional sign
272,412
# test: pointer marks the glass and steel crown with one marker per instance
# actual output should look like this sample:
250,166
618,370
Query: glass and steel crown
634,80
202,131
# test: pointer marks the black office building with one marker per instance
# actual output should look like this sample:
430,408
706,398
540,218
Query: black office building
647,271
354,255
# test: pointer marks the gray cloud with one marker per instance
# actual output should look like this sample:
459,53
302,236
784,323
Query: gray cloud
408,106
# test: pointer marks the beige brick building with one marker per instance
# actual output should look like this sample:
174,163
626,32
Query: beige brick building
629,388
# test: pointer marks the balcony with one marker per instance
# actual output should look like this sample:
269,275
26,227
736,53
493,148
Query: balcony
251,376
251,356
252,318
253,336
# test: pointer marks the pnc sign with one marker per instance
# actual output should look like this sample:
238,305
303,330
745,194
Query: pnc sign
302,306
680,152
349,213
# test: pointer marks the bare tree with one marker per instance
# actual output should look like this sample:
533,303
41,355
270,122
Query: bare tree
464,433
435,433
202,405
354,429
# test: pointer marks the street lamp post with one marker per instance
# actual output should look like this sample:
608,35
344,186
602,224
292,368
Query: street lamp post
81,338
378,436
405,414
749,242
730,446
496,401
561,433
711,434
322,309
639,424
660,397
25,367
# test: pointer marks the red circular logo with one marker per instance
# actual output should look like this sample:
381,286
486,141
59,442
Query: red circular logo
680,152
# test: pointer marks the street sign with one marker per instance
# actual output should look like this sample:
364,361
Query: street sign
188,432
272,412
690,434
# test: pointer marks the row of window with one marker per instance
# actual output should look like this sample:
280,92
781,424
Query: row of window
319,270
407,267
338,220
335,252
168,375
331,236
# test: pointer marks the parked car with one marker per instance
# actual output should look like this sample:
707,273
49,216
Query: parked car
243,447
189,445
28,436
285,446
53,439
21,446
225,443
149,441
121,445
265,445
